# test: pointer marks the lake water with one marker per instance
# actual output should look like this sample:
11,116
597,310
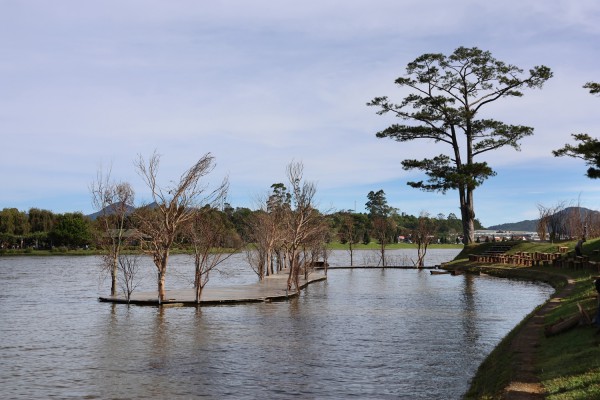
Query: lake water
362,333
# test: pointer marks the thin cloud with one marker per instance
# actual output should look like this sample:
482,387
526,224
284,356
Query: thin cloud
261,83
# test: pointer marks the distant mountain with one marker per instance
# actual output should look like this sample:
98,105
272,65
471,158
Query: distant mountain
531,225
525,226
108,211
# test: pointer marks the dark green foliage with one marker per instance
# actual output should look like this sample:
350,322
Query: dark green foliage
366,238
71,230
360,226
593,86
377,204
588,150
350,227
41,220
13,222
280,198
19,229
240,219
443,175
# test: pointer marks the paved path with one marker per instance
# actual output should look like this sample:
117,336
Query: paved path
272,288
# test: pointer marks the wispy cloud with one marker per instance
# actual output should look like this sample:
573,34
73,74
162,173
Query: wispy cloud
261,83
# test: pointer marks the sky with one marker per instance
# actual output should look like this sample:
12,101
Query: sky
92,86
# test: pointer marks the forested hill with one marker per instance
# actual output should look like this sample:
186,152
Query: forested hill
526,226
531,225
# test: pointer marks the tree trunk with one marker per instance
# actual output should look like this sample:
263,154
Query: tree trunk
468,215
113,278
269,263
198,293
350,248
294,270
420,255
162,274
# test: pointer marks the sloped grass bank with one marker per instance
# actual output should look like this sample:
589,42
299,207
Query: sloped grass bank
568,364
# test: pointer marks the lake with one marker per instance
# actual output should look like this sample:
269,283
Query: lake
363,333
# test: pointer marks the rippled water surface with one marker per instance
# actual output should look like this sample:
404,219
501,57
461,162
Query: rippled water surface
362,333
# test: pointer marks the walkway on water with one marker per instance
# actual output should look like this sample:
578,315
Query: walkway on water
378,267
272,288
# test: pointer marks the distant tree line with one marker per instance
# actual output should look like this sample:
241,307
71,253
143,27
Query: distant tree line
43,229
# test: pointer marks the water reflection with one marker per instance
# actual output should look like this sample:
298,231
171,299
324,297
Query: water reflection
469,313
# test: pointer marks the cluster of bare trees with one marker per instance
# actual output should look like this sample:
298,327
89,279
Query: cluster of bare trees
567,222
208,235
288,232
175,207
180,211
113,200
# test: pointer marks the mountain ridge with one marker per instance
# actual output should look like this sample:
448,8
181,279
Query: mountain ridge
530,225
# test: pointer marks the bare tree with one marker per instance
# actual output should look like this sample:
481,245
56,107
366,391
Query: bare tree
574,222
349,234
129,267
422,236
258,232
174,205
383,229
208,235
315,246
266,232
302,220
542,225
113,200
556,223
266,235
592,221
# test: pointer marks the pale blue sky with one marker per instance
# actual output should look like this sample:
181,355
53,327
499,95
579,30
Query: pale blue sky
262,83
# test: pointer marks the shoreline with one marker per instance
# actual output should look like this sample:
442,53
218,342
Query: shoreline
512,364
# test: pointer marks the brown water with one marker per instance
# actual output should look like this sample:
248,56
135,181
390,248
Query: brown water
362,333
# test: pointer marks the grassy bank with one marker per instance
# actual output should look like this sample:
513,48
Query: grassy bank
391,246
568,364
63,251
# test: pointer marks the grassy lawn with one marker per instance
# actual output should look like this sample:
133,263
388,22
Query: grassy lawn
567,364
391,246
332,246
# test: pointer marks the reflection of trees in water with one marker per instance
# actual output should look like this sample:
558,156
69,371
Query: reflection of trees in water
469,306
160,341
372,258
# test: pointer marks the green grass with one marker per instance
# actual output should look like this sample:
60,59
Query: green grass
391,246
568,364
577,386
59,251
331,246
